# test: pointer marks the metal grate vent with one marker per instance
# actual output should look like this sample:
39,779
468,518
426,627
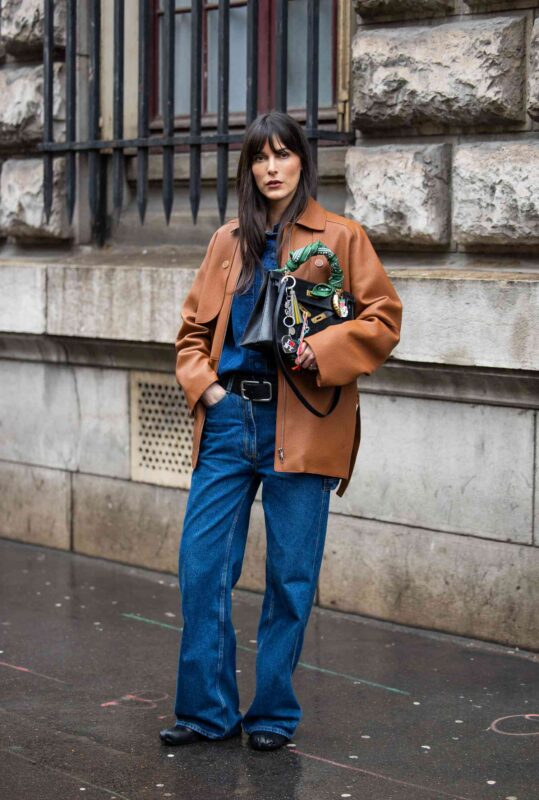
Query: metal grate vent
161,431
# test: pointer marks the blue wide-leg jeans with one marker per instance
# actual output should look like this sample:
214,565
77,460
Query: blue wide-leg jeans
236,454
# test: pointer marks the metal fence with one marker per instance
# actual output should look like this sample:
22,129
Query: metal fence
99,151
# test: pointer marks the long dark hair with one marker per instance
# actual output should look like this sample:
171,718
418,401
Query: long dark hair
252,204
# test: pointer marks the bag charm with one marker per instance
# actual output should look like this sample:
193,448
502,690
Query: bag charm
293,316
339,305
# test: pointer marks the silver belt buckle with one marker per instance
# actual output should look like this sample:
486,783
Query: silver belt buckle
256,399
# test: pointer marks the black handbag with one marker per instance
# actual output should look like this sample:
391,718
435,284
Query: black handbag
288,308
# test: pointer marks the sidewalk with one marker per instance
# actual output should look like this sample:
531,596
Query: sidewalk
88,658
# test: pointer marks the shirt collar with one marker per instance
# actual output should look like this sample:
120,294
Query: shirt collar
312,217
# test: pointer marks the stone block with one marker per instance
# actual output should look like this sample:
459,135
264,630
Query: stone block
36,505
465,73
21,110
476,6
134,523
401,8
533,94
482,319
440,382
22,297
467,586
22,213
450,466
399,193
496,194
140,304
73,418
536,490
141,524
22,25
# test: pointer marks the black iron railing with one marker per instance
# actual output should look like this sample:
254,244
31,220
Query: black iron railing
99,150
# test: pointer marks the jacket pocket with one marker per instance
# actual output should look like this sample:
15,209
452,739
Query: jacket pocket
210,305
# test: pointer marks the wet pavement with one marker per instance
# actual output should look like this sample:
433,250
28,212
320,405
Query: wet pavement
87,678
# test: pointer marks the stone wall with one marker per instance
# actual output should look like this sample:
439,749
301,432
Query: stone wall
446,463
444,176
22,219
438,527
446,108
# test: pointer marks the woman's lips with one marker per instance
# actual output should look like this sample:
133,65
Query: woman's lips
273,184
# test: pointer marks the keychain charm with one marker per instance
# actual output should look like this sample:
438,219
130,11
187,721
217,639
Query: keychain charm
289,344
339,305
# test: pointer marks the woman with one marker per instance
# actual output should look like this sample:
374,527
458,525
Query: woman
250,429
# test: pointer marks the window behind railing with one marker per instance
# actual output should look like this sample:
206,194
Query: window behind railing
205,70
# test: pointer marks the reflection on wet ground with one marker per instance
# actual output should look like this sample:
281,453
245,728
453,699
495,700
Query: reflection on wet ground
88,668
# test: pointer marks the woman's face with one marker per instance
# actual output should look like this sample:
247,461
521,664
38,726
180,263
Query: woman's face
277,174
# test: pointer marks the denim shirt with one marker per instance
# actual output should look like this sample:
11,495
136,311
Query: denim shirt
233,357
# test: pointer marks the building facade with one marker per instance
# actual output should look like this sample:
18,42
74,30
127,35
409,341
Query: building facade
436,103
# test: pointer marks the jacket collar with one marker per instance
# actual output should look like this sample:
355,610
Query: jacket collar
313,217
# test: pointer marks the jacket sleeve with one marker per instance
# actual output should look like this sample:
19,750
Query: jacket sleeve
358,346
193,342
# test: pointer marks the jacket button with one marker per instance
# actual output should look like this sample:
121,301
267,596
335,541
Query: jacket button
319,262
225,264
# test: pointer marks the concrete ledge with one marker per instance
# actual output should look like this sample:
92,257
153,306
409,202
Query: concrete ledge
468,586
464,317
22,297
484,385
484,319
36,505
139,304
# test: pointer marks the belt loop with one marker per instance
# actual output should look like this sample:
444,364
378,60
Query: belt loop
229,382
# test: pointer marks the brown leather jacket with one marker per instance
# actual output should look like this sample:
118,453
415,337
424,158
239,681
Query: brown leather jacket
303,441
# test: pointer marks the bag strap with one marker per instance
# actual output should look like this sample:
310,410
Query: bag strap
284,366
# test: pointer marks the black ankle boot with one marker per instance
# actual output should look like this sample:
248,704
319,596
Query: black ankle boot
267,740
181,735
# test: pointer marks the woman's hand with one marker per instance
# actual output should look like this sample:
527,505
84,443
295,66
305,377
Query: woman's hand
213,393
306,359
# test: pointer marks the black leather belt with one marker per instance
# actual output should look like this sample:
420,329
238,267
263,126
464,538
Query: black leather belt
251,387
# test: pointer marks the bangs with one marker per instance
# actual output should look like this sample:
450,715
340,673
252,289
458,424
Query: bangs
270,130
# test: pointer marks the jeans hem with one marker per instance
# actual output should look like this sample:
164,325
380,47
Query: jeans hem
267,728
194,727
